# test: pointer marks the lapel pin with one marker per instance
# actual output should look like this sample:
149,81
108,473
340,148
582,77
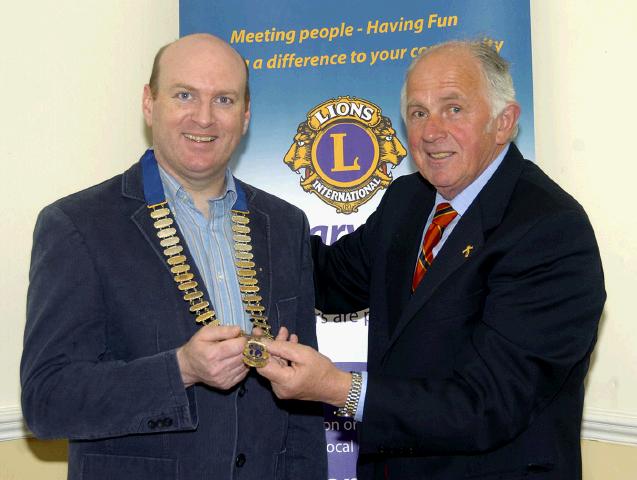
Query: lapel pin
467,251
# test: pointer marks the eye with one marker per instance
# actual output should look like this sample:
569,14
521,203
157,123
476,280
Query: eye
300,143
455,109
183,95
389,138
418,114
223,100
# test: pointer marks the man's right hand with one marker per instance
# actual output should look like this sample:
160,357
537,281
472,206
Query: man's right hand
214,356
301,372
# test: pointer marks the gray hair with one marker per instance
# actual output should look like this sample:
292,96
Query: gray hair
495,69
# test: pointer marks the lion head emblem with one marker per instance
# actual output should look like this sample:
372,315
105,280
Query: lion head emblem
391,150
299,155
342,152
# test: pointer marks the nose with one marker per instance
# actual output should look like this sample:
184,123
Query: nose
433,129
203,114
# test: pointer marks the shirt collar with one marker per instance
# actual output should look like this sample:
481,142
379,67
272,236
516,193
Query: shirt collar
175,191
464,199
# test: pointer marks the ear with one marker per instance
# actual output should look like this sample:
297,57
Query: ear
246,118
506,122
147,106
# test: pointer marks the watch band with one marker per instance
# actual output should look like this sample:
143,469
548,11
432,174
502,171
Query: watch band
353,396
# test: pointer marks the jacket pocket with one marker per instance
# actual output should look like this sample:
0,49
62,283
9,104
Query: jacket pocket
119,467
279,466
442,307
531,470
287,311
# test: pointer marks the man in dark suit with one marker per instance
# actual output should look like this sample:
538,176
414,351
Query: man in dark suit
485,289
124,275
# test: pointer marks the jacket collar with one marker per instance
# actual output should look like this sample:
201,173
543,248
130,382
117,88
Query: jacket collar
132,185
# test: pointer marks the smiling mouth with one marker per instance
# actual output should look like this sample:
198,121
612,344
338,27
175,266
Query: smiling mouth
440,155
199,139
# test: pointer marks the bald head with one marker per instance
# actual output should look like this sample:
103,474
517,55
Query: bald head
196,41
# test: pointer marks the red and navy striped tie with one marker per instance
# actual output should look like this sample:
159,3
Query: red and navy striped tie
443,217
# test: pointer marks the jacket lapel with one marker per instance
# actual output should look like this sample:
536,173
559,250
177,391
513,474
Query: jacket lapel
404,249
468,232
406,226
260,233
132,188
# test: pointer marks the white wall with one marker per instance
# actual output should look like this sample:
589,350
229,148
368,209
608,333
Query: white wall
72,75
585,102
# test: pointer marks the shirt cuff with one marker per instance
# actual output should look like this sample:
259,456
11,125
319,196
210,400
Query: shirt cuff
361,400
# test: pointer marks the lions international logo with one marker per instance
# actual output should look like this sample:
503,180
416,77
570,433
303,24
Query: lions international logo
344,147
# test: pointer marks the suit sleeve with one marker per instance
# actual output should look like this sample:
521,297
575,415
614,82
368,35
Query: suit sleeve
342,270
306,445
69,387
533,339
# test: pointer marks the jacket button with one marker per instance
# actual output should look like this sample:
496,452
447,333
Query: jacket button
167,422
152,424
240,461
242,390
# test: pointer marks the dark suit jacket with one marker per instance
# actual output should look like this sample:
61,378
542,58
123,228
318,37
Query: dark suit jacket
479,373
104,319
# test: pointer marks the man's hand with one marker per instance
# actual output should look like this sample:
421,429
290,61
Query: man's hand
309,374
214,356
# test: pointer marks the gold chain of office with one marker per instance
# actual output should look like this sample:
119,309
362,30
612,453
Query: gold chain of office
244,264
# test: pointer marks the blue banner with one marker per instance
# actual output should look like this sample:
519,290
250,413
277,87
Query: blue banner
326,132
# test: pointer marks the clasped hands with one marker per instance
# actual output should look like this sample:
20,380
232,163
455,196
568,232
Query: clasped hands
214,356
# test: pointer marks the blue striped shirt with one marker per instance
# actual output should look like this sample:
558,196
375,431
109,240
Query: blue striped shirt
210,243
